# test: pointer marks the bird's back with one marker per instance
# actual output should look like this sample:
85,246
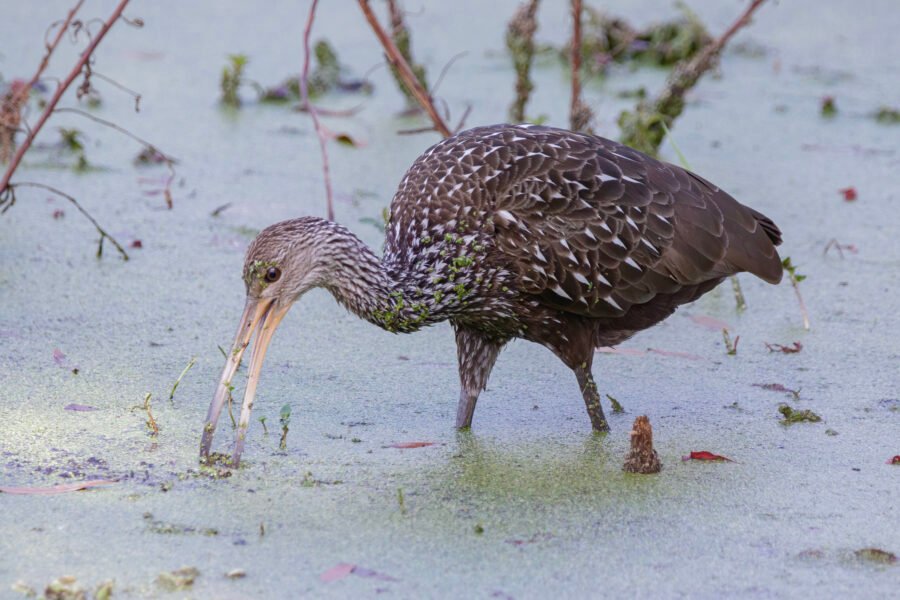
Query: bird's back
583,225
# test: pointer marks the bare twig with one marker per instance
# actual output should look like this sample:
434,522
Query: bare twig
169,161
643,128
10,189
127,90
446,69
520,42
833,243
330,112
403,69
23,92
304,96
580,114
54,100
462,119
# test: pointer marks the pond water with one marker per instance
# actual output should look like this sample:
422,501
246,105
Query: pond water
530,500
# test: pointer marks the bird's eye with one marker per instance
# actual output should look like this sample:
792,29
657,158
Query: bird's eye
273,274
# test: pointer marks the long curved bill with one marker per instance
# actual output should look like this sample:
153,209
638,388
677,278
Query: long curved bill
260,316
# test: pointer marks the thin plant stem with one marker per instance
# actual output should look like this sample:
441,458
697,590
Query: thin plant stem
310,107
103,233
183,373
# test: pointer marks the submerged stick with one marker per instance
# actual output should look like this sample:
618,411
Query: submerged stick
304,96
177,381
642,458
395,58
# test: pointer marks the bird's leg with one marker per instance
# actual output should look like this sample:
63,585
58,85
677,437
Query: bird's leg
477,354
591,396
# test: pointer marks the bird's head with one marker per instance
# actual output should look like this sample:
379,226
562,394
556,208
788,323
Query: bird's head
284,261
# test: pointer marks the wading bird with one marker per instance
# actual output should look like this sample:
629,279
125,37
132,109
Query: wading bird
564,239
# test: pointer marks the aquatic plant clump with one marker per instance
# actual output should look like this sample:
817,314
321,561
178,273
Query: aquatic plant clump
607,39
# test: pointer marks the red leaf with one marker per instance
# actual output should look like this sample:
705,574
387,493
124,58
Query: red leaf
895,460
792,349
710,323
56,489
137,244
342,570
59,213
704,455
411,444
58,356
79,407
337,572
849,193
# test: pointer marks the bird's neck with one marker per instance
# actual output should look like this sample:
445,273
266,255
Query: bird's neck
394,299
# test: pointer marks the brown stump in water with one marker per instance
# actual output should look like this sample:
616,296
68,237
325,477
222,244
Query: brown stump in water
642,458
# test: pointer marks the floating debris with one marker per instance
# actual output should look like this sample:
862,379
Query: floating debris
849,194
777,387
104,590
887,115
65,588
236,574
165,528
792,349
616,406
828,107
876,555
178,580
62,488
792,415
609,39
20,587
405,445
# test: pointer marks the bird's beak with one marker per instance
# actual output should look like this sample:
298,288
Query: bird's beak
262,316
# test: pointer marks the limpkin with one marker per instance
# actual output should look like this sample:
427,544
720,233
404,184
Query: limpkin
568,240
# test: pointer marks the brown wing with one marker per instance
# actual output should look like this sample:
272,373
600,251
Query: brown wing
594,227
